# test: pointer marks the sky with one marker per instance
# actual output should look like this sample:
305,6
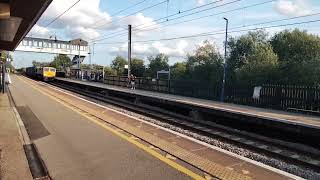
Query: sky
104,24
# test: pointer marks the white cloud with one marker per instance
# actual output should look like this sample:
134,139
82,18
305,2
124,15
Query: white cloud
177,51
85,14
292,7
201,2
140,23
38,31
79,21
138,49
86,20
86,33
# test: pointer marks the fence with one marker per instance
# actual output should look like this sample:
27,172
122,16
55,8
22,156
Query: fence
282,97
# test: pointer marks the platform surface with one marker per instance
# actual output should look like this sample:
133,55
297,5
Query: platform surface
72,147
78,139
13,162
288,117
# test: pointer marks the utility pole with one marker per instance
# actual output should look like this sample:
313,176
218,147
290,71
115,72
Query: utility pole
225,61
78,62
3,66
129,50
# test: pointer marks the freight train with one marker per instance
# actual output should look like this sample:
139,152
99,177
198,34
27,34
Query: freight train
41,73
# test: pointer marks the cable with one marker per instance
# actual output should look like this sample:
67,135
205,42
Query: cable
180,12
202,17
267,22
122,10
52,21
95,40
149,7
221,5
216,33
118,12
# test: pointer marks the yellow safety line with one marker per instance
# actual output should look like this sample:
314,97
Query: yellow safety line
139,145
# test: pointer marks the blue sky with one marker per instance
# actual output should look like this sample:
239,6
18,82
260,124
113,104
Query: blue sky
96,19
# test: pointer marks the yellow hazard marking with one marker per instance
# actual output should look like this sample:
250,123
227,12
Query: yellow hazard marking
134,138
207,176
119,134
169,156
154,148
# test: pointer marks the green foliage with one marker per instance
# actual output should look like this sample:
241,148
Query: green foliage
299,55
205,64
259,67
137,67
179,70
296,46
288,57
93,67
243,46
61,62
40,64
109,71
118,65
4,56
157,63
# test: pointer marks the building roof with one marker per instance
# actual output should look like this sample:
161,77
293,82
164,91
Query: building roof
23,16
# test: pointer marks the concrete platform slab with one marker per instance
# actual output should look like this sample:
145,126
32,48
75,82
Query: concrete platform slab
77,148
13,162
162,140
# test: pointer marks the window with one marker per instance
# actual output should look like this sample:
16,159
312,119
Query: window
45,69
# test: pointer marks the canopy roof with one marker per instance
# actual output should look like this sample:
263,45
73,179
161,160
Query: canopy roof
23,15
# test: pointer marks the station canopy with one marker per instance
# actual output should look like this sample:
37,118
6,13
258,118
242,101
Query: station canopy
17,17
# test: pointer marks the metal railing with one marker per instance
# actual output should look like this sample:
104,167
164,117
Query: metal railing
283,97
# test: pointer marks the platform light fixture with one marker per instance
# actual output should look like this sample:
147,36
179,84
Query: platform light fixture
4,10
9,25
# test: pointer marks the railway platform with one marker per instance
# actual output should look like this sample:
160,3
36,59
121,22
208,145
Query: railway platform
13,162
79,139
291,122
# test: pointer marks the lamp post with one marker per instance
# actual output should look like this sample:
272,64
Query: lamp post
129,50
225,61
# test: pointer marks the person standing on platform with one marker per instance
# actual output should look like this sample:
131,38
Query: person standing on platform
132,81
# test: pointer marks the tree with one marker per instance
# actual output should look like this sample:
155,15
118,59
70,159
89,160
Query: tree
118,65
137,67
179,70
243,46
157,63
205,64
108,71
299,57
40,64
4,57
259,66
296,46
251,60
61,62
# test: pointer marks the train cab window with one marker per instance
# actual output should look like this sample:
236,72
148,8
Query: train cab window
46,69
52,69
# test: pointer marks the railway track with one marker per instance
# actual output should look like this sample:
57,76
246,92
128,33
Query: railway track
288,152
